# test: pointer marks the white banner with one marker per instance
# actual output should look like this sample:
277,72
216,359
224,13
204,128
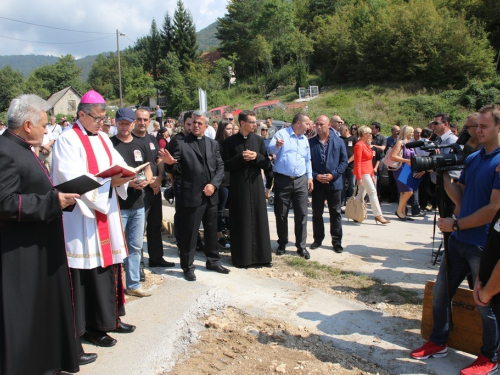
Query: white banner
202,96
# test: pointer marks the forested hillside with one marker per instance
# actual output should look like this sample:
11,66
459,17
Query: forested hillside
418,54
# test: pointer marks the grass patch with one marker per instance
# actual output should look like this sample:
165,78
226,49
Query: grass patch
369,288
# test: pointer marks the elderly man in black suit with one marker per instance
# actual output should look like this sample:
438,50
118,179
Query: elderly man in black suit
197,160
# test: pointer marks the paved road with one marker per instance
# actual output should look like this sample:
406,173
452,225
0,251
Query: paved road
398,254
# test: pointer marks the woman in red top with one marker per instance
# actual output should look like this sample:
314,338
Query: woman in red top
363,170
163,137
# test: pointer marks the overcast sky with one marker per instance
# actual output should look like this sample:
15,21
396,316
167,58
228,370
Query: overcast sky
132,17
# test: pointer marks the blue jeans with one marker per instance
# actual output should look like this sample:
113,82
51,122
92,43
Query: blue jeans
464,259
133,225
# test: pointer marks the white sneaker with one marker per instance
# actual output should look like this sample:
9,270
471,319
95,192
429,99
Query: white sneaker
139,292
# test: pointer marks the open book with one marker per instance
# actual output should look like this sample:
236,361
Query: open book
80,185
125,170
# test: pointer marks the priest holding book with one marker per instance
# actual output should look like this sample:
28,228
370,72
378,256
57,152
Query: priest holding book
95,244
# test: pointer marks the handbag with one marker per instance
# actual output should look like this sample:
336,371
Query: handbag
391,164
355,208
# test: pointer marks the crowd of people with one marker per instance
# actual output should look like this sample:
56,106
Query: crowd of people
72,280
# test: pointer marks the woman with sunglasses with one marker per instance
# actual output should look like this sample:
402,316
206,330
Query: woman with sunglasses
354,130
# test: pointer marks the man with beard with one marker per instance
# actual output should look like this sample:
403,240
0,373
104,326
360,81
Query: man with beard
152,198
245,157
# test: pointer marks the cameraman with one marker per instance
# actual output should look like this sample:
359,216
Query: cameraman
477,196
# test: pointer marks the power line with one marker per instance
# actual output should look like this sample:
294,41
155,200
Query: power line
56,28
32,41
126,37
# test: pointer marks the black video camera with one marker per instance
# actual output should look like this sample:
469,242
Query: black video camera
454,160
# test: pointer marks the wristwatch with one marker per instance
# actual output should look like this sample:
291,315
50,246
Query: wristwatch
455,226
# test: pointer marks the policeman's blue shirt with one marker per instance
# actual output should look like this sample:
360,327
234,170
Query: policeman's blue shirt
294,157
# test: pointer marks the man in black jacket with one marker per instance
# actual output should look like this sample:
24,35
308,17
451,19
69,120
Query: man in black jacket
197,160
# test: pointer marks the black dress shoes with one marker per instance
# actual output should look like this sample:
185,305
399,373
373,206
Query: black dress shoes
315,245
189,275
337,248
161,263
268,265
281,250
124,327
219,269
86,358
304,253
100,339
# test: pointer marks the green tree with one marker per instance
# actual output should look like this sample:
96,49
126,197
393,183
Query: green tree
153,51
57,76
103,76
184,38
172,84
11,83
237,30
167,36
33,85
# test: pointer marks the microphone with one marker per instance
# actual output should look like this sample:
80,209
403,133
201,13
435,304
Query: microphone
415,144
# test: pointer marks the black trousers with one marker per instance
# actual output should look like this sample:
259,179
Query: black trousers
348,177
153,207
321,193
393,188
288,190
191,218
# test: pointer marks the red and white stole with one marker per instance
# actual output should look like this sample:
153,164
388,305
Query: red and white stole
104,239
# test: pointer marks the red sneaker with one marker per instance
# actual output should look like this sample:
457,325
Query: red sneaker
481,366
430,350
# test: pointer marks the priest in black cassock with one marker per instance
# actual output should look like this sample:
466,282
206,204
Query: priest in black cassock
245,156
37,331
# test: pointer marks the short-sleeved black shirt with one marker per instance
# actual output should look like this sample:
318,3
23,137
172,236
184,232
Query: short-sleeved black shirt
135,153
152,146
377,155
350,142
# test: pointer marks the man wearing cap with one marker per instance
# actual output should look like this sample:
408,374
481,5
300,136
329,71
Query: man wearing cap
106,127
135,153
95,245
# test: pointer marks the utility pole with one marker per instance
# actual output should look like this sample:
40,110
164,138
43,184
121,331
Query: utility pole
118,34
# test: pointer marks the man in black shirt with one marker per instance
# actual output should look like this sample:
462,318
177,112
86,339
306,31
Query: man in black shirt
135,153
152,198
378,140
348,177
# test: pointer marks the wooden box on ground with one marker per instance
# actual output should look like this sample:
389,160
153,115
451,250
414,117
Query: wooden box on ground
467,328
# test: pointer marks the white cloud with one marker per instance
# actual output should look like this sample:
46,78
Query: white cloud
129,16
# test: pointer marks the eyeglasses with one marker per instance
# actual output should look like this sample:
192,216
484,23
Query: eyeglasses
470,126
435,123
263,130
97,119
229,118
340,122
